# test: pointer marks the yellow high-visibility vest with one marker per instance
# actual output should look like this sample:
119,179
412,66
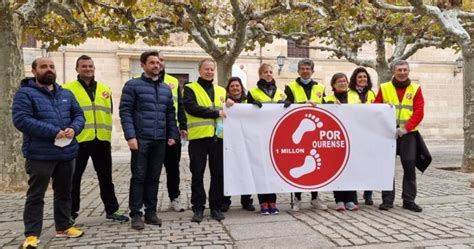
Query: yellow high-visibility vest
262,97
350,99
404,110
205,127
173,83
370,96
317,93
98,114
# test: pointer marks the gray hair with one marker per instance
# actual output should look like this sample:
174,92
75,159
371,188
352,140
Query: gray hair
307,62
399,63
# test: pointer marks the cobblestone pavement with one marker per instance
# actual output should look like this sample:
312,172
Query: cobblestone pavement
447,220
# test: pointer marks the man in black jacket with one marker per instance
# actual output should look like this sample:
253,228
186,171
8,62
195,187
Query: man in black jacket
203,102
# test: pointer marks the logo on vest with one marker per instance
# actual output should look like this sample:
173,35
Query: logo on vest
171,85
408,95
318,94
105,94
309,147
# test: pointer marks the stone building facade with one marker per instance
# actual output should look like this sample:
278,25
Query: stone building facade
117,62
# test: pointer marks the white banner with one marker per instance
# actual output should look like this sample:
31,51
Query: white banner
304,148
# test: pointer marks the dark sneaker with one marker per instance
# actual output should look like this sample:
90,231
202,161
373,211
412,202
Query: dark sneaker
152,219
217,215
248,206
385,206
413,207
198,216
137,223
225,207
273,209
264,209
117,216
369,201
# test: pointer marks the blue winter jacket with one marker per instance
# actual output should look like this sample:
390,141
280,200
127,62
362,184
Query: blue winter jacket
40,114
147,111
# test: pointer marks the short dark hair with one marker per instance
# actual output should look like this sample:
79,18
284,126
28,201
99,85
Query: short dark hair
353,81
144,56
307,62
335,77
34,64
82,58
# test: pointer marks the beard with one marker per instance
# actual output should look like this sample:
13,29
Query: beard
47,79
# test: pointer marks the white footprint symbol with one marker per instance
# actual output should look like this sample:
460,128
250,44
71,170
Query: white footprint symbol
311,163
309,123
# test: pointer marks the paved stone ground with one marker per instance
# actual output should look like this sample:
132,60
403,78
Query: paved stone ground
446,222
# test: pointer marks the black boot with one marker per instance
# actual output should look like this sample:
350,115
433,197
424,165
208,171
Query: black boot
198,216
217,215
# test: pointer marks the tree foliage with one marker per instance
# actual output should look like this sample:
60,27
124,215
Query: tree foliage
344,29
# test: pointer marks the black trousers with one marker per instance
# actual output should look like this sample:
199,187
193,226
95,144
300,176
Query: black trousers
267,198
171,163
314,195
244,199
345,196
406,149
101,155
146,166
199,150
40,173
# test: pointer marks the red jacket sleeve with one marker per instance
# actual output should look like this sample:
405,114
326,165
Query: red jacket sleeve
418,111
379,97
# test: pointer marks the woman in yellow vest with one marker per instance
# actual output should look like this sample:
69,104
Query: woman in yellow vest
236,93
266,91
345,200
361,85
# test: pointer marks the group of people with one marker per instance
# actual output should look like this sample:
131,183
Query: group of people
63,126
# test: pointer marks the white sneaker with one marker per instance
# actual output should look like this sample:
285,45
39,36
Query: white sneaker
318,204
176,205
296,205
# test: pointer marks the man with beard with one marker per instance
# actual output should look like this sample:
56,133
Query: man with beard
95,99
173,152
409,104
49,118
149,124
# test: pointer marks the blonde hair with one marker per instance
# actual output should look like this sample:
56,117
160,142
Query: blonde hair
263,67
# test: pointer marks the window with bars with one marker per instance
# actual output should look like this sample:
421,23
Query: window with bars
296,52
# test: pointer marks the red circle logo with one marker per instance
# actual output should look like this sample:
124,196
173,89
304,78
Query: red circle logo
309,147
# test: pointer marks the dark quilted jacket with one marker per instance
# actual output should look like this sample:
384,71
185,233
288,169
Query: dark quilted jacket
40,114
147,111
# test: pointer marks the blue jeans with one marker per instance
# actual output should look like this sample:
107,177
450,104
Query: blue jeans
146,166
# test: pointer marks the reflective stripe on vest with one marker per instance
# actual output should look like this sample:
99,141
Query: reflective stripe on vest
98,114
354,95
403,110
262,97
317,93
205,127
350,99
173,83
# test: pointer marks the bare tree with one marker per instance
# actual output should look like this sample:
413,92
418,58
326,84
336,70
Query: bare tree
343,29
458,24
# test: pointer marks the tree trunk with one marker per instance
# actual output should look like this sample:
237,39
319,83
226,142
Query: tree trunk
12,173
224,69
468,85
384,73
